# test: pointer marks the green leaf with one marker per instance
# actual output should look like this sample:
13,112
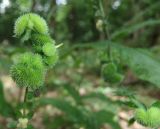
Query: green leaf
12,125
96,95
103,100
156,104
71,111
123,91
139,61
103,117
143,65
125,31
81,116
30,127
73,92
131,121
146,11
56,123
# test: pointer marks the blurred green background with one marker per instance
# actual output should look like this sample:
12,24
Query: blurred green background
81,98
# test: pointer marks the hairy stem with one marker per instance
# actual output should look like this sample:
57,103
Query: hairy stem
24,102
105,28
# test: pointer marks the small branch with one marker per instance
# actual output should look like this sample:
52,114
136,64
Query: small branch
20,95
59,45
25,100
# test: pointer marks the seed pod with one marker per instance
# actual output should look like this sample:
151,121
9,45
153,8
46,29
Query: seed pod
154,117
109,69
148,118
49,49
50,61
38,40
28,71
117,78
40,24
20,25
141,116
30,21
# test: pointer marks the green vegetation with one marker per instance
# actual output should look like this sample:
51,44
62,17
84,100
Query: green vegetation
77,64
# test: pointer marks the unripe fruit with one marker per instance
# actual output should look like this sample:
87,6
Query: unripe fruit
20,26
154,117
40,24
141,116
30,21
28,71
148,118
50,61
49,49
109,73
117,78
109,69
38,40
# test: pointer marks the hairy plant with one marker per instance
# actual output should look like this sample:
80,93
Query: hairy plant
112,70
30,68
110,73
149,117
29,71
30,22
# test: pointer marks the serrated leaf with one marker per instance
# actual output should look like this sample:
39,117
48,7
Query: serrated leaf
141,63
130,29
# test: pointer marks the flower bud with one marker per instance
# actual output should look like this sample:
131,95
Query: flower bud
22,123
99,25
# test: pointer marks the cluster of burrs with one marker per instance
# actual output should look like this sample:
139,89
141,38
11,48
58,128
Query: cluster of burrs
30,68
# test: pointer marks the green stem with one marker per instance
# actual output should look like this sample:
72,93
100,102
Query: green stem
24,102
138,104
105,28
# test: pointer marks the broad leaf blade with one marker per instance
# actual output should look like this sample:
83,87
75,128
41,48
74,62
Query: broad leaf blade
125,31
139,61
71,111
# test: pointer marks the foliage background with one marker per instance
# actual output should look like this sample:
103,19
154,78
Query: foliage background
75,91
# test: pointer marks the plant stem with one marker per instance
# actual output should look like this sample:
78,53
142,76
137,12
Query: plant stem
105,28
25,100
